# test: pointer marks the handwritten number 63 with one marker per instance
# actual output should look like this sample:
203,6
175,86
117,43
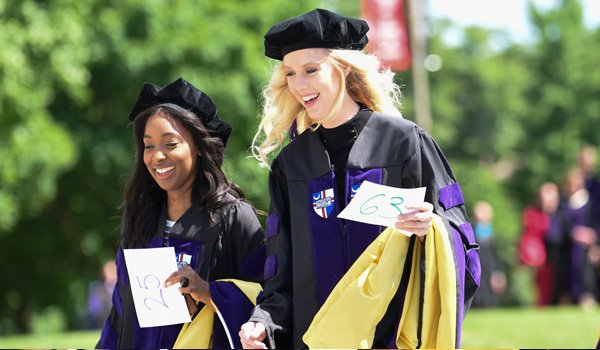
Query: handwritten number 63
374,204
145,286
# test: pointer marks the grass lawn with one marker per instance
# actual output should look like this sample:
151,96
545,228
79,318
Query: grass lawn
507,328
70,340
527,328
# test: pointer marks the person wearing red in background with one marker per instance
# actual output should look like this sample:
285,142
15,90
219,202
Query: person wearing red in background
536,222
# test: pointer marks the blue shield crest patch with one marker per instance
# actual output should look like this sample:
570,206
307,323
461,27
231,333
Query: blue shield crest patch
323,202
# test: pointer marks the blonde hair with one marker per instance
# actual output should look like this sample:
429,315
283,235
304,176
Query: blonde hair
367,82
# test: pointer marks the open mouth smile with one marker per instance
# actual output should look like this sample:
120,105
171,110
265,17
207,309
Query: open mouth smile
310,99
164,173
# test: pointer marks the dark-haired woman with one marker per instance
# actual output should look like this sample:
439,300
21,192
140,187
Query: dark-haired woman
178,196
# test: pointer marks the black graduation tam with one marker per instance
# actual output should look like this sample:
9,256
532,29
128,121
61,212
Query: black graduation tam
317,28
187,96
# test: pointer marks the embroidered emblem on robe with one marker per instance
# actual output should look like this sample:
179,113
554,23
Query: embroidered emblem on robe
323,202
183,260
353,190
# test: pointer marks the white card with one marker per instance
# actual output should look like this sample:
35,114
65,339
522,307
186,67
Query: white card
380,205
155,305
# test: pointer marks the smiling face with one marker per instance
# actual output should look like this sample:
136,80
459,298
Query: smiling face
170,154
316,84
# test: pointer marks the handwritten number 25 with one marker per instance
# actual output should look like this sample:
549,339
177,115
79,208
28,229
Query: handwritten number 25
372,208
145,286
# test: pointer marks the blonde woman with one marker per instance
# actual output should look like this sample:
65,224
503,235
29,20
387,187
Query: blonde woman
339,106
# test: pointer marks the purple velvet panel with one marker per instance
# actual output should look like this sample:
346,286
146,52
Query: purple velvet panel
155,242
272,225
467,230
270,266
109,336
220,340
235,309
254,264
155,337
327,240
121,267
117,301
459,252
184,246
451,196
474,266
360,235
598,345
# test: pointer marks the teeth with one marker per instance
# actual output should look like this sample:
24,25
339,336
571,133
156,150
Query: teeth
309,97
164,170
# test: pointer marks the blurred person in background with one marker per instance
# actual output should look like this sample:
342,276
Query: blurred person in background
493,278
587,161
178,196
572,240
536,222
100,293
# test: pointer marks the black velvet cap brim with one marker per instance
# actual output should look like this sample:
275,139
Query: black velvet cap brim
187,96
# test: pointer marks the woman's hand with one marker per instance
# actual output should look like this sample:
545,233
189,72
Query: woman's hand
197,288
418,222
252,334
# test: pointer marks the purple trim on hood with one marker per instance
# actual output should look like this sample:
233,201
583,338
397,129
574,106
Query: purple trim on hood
117,301
122,273
109,336
235,309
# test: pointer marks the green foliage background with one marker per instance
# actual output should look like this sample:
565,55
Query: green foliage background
507,119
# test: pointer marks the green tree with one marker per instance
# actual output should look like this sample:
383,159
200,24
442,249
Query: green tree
72,70
512,119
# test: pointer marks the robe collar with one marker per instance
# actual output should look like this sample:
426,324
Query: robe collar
193,225
308,157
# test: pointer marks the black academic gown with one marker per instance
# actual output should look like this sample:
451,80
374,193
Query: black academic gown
310,249
233,247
